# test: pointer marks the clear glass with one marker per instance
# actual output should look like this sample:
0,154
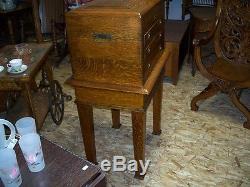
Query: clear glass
21,48
24,52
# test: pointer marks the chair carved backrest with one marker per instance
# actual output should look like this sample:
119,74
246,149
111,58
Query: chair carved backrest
232,37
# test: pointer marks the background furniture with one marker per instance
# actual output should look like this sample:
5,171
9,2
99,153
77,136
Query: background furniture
118,62
62,168
50,92
176,40
16,15
231,71
13,14
202,14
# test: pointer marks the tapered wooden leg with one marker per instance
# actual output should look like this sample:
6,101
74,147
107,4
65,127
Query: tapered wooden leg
157,103
139,133
116,118
175,67
193,70
28,97
87,127
236,101
209,91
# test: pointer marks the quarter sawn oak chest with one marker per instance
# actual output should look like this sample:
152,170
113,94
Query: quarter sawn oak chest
118,58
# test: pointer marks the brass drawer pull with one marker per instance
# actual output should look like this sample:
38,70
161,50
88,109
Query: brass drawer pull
148,50
149,65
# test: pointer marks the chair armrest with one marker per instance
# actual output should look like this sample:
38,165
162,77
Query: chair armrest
197,49
198,61
206,39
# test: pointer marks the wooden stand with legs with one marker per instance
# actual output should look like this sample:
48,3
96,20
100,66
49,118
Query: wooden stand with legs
116,100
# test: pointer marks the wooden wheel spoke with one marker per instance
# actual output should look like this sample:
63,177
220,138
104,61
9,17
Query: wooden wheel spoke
57,102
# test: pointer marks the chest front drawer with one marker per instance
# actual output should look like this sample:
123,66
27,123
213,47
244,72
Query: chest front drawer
153,31
152,51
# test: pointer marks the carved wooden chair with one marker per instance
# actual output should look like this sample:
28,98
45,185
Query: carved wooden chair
202,14
231,71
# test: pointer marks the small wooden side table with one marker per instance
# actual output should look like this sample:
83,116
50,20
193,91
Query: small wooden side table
176,40
25,83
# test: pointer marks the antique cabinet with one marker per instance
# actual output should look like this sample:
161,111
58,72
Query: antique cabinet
117,57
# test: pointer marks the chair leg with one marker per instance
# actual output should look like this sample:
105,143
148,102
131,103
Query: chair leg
189,43
193,71
236,101
191,48
209,91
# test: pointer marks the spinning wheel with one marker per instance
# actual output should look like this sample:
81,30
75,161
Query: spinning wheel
56,102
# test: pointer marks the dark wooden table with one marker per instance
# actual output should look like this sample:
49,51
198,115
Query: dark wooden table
13,14
62,168
177,41
25,82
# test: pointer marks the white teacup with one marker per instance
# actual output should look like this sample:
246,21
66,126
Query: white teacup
15,64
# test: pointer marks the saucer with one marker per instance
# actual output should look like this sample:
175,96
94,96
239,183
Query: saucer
1,68
23,68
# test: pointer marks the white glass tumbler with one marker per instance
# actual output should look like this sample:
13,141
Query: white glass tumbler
9,169
31,147
26,125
